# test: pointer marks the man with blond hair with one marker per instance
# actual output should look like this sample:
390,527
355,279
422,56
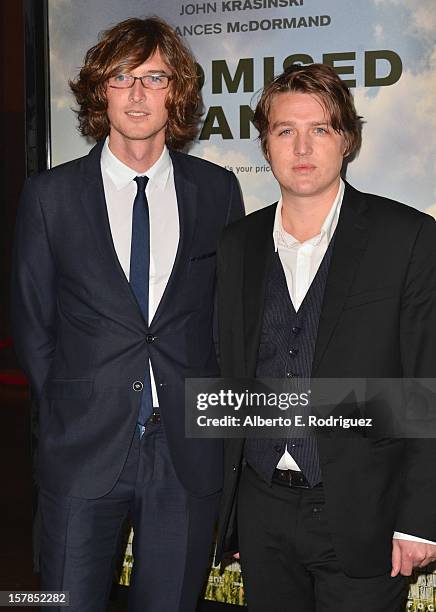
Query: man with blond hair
327,283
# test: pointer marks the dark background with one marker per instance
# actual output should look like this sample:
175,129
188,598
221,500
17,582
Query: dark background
24,122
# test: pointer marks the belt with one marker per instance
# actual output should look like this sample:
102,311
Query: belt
153,419
291,478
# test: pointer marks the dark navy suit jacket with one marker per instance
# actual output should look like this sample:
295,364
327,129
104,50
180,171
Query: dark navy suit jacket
80,336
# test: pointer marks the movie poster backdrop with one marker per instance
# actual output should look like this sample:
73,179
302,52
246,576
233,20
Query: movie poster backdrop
384,49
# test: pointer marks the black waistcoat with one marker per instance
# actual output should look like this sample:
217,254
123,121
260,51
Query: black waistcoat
286,350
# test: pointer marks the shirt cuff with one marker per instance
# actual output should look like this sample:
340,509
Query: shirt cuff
405,536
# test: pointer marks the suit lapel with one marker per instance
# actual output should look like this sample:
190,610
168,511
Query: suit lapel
95,211
187,198
350,242
258,252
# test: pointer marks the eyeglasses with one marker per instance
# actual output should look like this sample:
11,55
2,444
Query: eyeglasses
149,81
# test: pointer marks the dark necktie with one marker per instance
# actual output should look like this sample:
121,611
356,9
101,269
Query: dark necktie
139,277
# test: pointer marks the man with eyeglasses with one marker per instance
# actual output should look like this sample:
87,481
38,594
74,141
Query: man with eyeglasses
113,299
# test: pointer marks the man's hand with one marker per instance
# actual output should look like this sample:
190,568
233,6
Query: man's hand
407,554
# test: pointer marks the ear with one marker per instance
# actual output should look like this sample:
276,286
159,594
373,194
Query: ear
266,152
346,145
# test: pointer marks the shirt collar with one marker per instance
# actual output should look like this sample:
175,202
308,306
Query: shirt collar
283,239
121,174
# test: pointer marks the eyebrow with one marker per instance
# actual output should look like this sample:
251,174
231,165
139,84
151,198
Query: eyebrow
150,72
157,71
292,123
126,70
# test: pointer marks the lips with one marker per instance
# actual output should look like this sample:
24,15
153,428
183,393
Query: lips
304,168
135,113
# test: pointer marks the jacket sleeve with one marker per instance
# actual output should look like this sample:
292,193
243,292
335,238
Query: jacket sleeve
33,290
417,508
235,209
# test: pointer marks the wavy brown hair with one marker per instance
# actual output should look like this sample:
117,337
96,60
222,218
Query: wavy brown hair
126,46
323,82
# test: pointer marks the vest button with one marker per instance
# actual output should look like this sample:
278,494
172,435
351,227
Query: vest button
150,338
277,448
296,329
234,468
137,385
293,351
291,374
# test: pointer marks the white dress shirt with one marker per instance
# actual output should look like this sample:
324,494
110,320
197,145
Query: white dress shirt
300,261
120,191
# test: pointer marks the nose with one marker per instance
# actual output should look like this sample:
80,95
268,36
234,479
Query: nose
302,144
137,92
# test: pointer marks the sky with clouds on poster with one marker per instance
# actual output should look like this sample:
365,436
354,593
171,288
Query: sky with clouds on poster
398,156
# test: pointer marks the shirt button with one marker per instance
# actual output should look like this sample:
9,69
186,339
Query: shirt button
293,351
137,385
150,338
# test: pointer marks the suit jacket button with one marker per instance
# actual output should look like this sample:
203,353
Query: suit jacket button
137,385
234,468
150,338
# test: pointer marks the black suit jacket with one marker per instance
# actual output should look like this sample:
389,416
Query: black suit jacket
378,320
80,335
